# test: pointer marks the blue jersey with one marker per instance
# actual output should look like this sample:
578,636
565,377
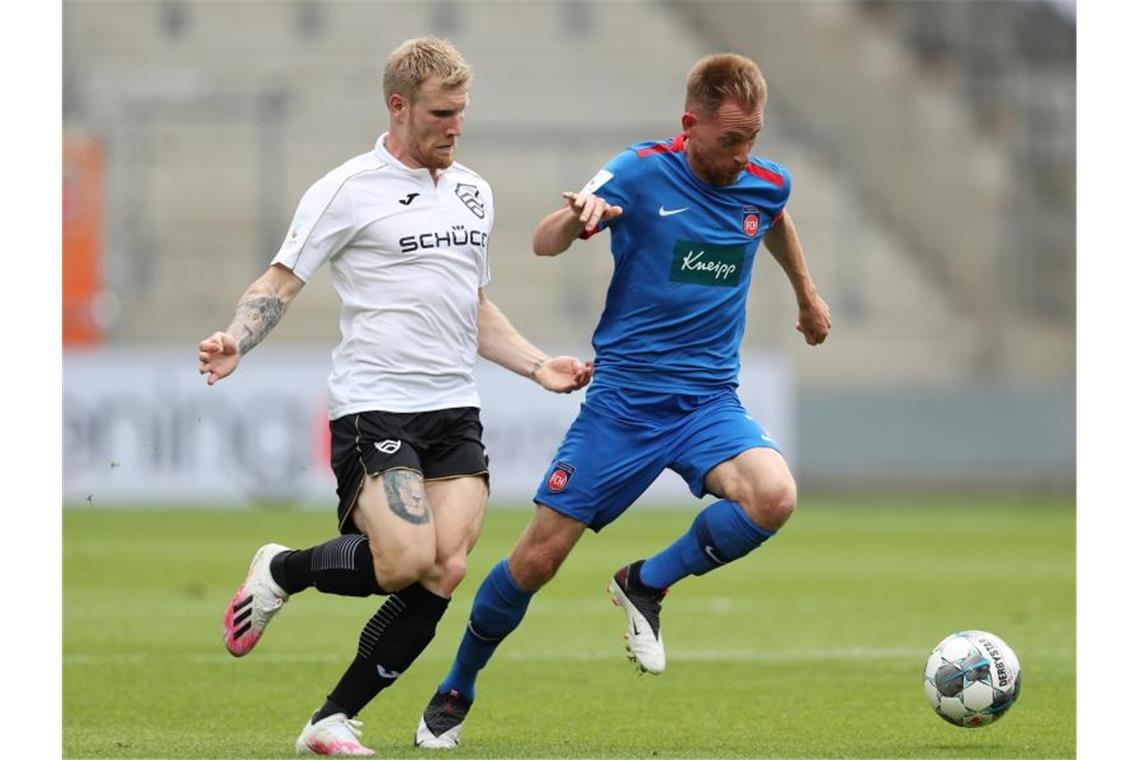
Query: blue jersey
683,253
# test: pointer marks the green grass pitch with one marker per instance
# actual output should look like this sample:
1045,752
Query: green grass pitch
811,647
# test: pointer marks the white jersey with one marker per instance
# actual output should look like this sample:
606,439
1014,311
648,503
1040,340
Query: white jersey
408,257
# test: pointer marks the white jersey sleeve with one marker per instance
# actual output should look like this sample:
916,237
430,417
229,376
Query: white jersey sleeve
485,270
323,224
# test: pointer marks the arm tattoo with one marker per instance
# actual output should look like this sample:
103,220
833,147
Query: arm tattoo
255,318
406,497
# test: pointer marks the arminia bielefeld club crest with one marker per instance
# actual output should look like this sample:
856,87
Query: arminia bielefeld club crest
469,194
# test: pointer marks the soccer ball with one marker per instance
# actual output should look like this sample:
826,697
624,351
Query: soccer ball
972,678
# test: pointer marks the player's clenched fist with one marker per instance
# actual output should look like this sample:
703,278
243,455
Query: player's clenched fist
815,321
218,356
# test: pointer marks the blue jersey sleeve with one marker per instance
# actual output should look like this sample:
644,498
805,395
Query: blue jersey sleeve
787,188
615,183
778,178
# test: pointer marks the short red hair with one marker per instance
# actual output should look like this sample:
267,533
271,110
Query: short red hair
725,76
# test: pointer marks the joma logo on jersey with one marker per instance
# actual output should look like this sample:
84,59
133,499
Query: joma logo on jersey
707,264
457,235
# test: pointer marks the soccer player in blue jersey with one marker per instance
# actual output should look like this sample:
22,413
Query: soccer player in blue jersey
686,218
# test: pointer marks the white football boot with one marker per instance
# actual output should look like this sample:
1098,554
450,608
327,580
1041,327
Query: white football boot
256,602
642,607
337,736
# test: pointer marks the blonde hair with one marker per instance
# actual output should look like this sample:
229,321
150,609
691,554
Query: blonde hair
417,60
725,76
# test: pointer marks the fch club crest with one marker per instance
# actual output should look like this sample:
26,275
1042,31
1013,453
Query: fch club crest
560,477
750,220
469,194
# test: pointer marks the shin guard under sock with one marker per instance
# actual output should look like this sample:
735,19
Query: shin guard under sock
721,533
389,644
498,609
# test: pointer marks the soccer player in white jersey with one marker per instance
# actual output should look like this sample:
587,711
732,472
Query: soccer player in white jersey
404,229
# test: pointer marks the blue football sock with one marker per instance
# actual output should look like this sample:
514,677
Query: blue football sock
721,533
498,609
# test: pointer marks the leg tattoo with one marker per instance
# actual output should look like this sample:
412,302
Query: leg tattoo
406,496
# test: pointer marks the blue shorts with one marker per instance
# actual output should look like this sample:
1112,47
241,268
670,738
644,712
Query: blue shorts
623,439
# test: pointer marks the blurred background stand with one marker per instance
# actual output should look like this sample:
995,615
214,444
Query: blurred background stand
931,146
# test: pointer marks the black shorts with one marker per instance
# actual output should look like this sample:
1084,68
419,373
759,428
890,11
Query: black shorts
442,444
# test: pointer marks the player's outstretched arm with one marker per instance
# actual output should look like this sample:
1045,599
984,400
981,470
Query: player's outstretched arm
815,315
581,216
258,311
502,344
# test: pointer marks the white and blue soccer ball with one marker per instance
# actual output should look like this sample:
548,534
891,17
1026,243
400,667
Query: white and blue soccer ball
972,678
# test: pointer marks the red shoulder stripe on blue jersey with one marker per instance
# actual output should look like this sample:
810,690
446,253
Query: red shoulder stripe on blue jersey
675,146
764,174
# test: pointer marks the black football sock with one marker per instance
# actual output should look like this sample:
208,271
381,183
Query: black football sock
342,566
389,644
327,709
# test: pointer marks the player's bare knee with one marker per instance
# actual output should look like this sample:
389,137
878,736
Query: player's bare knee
769,505
448,573
397,568
776,505
394,579
534,568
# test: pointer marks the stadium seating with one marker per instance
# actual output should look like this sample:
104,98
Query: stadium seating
218,116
